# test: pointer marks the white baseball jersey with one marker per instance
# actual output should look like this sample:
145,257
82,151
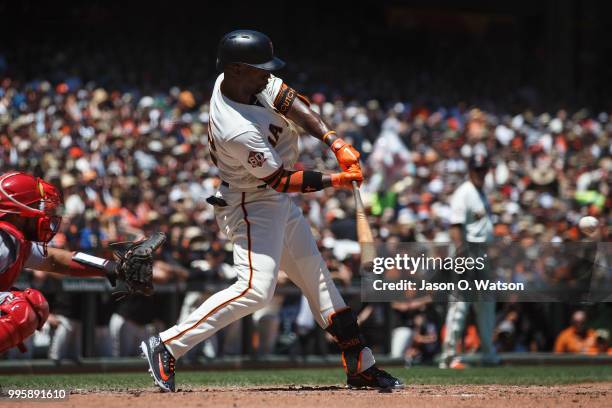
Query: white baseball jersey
8,255
469,207
250,142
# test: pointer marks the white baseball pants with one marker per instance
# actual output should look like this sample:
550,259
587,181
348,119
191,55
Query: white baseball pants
268,232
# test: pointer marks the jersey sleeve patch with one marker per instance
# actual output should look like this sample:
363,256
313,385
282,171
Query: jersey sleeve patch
256,159
255,153
284,99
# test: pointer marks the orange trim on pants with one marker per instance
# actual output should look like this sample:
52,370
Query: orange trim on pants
199,322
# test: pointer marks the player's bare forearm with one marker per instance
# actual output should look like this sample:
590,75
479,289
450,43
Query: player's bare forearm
311,121
347,155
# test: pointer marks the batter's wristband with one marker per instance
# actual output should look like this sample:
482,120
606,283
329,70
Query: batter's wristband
312,181
83,264
328,135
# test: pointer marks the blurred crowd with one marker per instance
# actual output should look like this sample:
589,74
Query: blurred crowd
130,163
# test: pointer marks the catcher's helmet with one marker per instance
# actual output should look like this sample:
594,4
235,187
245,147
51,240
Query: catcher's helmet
248,47
29,196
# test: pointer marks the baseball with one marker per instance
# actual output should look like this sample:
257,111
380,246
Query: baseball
588,225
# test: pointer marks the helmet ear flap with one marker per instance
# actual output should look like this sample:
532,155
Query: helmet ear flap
46,228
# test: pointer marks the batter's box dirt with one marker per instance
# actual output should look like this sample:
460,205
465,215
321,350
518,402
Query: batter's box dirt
294,396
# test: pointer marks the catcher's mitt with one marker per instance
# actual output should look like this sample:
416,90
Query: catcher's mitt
135,264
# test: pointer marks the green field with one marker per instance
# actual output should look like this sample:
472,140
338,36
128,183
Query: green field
540,375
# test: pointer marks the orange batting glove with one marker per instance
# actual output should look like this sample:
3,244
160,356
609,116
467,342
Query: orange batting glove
346,178
346,154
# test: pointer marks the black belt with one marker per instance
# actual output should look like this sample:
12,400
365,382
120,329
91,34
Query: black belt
221,202
226,184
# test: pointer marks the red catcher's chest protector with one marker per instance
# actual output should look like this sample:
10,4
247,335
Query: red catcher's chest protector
20,250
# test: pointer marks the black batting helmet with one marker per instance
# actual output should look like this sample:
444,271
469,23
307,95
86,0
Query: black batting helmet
248,47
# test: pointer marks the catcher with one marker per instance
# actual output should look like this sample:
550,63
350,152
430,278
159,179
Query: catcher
29,219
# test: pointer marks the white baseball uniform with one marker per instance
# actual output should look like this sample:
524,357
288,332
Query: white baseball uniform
250,142
9,247
470,208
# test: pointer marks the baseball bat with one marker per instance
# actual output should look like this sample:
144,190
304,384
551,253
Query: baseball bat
364,232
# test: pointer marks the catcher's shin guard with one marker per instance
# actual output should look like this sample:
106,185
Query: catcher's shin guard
356,357
21,313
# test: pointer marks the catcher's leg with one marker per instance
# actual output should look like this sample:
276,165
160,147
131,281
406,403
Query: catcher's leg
257,241
304,265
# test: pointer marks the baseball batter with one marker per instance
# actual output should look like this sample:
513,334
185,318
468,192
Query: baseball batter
255,146
471,223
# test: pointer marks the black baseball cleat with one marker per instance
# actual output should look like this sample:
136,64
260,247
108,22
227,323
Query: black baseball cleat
161,363
373,377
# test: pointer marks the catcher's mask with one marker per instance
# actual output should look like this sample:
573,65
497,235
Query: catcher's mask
32,197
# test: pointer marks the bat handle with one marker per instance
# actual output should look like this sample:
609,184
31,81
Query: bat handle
357,195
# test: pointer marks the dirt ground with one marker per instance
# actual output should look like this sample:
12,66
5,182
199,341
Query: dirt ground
420,396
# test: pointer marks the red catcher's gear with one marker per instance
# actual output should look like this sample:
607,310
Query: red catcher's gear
30,196
21,312
21,253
